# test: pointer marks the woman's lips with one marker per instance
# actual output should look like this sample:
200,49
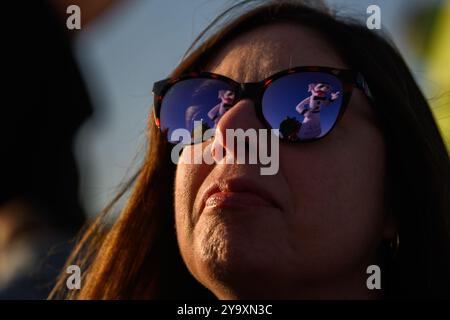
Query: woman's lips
235,193
236,199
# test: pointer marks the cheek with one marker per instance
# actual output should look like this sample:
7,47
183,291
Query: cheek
188,180
337,186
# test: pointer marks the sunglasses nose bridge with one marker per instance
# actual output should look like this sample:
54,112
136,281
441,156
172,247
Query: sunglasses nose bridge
252,91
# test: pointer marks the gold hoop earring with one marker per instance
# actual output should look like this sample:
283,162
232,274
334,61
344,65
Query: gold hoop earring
395,245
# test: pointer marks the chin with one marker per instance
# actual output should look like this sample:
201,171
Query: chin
236,278
230,258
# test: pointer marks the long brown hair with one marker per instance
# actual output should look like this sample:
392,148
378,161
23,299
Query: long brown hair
138,257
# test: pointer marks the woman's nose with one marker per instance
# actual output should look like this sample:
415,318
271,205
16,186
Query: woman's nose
239,121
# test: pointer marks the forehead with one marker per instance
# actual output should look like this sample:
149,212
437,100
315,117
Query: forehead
261,52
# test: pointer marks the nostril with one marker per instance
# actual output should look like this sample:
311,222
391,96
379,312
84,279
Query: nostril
218,151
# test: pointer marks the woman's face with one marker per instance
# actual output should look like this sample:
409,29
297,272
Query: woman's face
312,229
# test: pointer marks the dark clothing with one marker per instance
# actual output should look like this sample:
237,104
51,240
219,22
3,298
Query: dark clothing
43,105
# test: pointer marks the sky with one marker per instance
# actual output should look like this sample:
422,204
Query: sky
139,42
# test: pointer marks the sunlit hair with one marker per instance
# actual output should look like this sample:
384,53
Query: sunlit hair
138,256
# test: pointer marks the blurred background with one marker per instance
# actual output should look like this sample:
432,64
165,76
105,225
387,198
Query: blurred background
139,42
123,47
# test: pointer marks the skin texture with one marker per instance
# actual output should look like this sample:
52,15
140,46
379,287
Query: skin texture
328,217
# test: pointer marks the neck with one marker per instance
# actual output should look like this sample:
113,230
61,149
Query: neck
350,286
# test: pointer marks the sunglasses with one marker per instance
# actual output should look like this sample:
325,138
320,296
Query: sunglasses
303,103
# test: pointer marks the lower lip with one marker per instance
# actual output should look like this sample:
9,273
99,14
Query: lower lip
236,199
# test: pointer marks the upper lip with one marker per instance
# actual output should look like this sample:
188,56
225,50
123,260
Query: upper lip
237,185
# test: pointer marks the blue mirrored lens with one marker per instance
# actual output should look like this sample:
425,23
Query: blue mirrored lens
303,106
193,106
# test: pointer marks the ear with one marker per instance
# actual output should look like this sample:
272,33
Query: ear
311,87
221,92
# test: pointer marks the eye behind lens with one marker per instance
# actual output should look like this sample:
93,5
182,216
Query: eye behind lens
301,105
